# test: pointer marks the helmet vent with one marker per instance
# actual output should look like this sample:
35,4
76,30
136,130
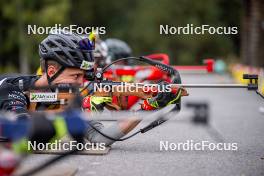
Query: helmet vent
43,49
75,41
61,42
73,54
51,44
61,54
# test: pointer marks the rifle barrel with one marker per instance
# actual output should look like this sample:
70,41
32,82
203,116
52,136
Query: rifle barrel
203,85
213,85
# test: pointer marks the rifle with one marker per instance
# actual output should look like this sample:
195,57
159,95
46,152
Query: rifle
62,99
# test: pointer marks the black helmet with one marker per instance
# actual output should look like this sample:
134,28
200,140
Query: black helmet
68,49
101,55
118,49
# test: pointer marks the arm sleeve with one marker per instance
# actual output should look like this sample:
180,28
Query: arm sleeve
12,99
113,131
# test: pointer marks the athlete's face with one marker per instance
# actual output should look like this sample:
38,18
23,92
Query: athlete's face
68,76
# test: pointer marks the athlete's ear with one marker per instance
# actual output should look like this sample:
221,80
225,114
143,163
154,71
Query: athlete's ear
51,70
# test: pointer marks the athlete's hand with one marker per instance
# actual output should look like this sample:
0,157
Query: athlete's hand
162,99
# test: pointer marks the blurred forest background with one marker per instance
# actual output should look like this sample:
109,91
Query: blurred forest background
134,21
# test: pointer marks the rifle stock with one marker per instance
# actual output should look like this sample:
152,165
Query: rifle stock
63,99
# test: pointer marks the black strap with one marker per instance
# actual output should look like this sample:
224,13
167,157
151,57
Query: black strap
50,79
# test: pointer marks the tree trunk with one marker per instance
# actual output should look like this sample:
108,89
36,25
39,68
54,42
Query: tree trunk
23,59
252,45
245,31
